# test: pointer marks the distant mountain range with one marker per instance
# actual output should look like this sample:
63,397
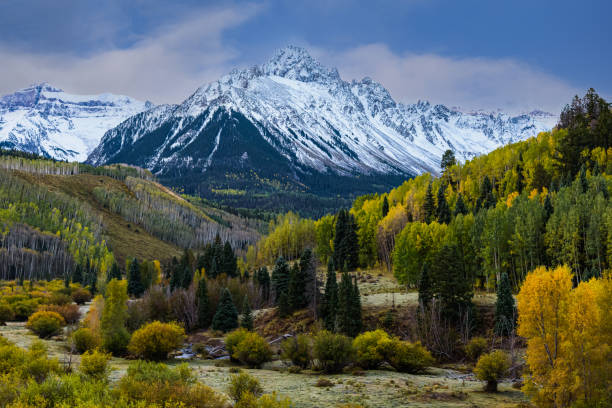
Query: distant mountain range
45,120
290,124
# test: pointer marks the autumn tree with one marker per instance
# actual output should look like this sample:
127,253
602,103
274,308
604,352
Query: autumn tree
115,336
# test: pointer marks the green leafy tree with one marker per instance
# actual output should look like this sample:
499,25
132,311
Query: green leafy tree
504,307
226,317
448,160
115,336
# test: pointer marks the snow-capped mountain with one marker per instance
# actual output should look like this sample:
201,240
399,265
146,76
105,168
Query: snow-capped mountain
294,117
45,120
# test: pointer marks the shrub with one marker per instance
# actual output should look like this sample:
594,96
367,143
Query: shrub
475,348
233,339
324,382
155,340
253,350
6,313
297,349
95,364
249,400
59,298
23,309
200,348
70,313
156,383
368,353
81,296
241,384
84,340
36,364
491,368
332,351
406,357
45,324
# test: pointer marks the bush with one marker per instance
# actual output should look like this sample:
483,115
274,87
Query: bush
332,351
45,324
253,350
476,347
324,382
156,383
241,384
81,296
23,309
297,350
233,339
6,313
95,364
368,353
406,357
70,313
155,340
60,299
84,340
491,368
200,348
249,400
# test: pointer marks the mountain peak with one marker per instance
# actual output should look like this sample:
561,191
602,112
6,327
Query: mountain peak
296,63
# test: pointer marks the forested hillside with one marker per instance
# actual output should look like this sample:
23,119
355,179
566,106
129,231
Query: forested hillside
56,216
543,201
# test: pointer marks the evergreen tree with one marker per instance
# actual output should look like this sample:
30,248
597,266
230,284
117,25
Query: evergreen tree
228,263
284,306
77,275
486,199
187,277
448,160
114,273
263,279
226,317
385,207
460,207
134,287
452,285
308,272
176,278
295,290
540,177
213,271
280,278
520,179
584,183
504,307
425,287
443,211
203,303
548,208
339,238
429,207
330,298
247,316
357,323
344,319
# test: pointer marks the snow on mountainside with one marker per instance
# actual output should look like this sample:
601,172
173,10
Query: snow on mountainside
313,120
45,120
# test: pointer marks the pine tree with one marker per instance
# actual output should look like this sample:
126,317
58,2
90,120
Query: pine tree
352,244
226,317
452,285
429,207
187,277
114,273
203,303
448,160
247,316
460,207
443,211
176,279
263,279
308,272
520,179
504,307
77,276
344,319
284,306
339,238
584,183
357,323
135,287
425,287
548,208
280,278
385,207
330,298
486,199
228,263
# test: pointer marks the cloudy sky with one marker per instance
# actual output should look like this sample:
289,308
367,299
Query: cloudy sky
475,54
